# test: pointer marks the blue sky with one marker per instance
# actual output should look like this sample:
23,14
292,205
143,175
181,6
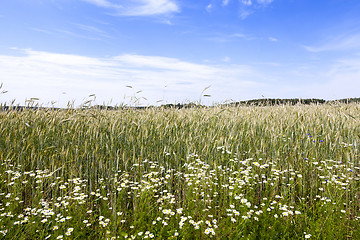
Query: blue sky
169,51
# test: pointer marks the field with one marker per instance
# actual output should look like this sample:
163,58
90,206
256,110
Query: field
271,172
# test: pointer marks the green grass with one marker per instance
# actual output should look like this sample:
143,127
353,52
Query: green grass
279,172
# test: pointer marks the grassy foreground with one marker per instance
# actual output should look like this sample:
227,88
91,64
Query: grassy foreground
280,172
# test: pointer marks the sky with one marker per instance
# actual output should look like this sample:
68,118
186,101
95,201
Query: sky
151,52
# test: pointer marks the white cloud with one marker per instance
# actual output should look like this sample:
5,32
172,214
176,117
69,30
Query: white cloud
226,59
239,35
76,35
248,7
92,31
86,32
272,39
139,7
47,75
223,38
341,42
265,2
41,30
246,2
245,13
152,7
339,80
209,7
103,3
225,2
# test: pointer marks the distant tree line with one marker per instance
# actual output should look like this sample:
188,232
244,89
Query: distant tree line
347,100
254,102
278,101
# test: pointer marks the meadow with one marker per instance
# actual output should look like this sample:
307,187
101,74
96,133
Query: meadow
270,172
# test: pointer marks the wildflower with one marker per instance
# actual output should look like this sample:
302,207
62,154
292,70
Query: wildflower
308,235
244,200
285,214
55,228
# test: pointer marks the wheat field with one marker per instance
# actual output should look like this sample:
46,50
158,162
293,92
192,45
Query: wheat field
271,172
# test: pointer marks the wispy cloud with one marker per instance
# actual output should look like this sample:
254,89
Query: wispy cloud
46,75
339,80
139,7
151,7
86,32
225,2
92,30
248,7
223,38
272,39
246,2
339,43
264,2
215,4
41,30
209,7
77,35
226,59
104,3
